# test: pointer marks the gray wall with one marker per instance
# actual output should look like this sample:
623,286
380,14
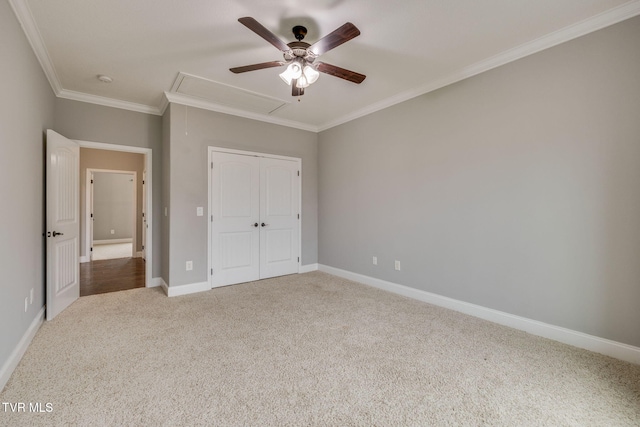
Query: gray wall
113,206
26,109
189,142
111,160
96,123
516,190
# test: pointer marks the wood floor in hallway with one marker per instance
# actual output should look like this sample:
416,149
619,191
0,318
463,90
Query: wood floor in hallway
99,277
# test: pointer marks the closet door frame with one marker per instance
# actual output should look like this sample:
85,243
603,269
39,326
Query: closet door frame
211,151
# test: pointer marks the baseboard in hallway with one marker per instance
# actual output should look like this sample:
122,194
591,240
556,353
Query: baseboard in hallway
112,251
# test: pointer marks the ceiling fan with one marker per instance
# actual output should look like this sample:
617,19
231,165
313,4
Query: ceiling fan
301,57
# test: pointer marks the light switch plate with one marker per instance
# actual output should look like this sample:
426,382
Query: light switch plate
199,211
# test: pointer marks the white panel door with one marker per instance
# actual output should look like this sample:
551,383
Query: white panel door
235,181
279,209
144,214
63,225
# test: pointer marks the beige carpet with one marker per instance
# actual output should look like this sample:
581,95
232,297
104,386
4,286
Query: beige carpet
306,350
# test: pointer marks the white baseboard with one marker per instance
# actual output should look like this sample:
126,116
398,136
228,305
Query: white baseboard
10,365
308,268
155,282
191,288
615,349
165,287
112,241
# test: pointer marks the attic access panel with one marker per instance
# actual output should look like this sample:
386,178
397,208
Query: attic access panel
226,95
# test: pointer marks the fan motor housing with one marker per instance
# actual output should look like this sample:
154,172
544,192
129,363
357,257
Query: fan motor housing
299,32
299,50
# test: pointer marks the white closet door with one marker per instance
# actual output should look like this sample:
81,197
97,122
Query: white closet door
279,209
235,184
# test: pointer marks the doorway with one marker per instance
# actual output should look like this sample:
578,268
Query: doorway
113,211
115,205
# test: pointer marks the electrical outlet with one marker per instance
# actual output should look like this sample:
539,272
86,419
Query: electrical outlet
199,211
31,296
113,231
375,260
397,265
189,265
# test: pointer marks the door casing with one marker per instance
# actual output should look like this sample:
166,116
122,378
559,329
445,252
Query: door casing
148,202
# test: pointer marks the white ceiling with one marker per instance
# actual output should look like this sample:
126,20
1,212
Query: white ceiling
406,48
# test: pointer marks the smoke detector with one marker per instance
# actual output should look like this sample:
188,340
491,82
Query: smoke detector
104,79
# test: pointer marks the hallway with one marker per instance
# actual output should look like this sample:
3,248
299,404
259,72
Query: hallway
99,277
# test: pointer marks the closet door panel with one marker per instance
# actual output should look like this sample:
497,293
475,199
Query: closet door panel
235,183
279,209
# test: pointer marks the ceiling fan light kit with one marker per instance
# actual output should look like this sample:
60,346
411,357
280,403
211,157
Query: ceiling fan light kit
293,72
310,74
300,57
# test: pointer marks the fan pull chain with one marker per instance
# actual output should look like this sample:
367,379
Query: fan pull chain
186,120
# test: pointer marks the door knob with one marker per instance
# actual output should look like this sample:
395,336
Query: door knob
255,225
55,233
264,225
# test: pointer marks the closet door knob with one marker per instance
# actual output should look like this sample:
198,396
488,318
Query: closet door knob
255,225
55,233
264,225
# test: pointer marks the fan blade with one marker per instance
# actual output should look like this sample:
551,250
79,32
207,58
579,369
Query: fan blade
260,66
260,30
296,91
335,39
352,76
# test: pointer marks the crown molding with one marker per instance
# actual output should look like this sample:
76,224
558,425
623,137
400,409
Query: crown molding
109,102
25,18
206,105
595,23
164,103
602,20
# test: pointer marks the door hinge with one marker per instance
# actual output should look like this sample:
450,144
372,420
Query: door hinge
298,173
92,215
298,216
212,271
211,165
211,217
298,259
143,182
92,181
143,247
91,250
